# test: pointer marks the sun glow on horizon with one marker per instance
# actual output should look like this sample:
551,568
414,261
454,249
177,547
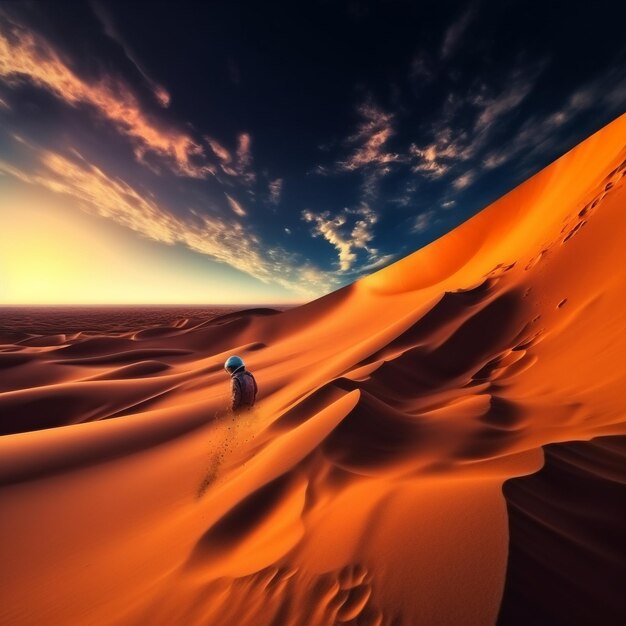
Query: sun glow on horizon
53,253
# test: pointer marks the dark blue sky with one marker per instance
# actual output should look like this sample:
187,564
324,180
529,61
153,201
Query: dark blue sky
297,145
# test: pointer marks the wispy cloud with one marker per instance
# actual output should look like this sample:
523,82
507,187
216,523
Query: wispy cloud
376,263
25,56
457,143
348,231
110,29
422,222
363,231
100,194
464,180
235,206
275,190
237,164
368,151
436,158
330,228
540,133
455,32
461,131
466,136
244,159
219,151
493,109
223,240
370,140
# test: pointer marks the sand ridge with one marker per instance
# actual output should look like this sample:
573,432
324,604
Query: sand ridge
366,486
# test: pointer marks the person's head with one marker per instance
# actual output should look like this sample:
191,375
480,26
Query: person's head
234,364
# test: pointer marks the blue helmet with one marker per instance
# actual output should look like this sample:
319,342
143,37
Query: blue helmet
233,364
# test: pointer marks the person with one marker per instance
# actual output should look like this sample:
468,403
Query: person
243,386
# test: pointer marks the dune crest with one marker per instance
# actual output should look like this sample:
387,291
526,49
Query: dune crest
366,487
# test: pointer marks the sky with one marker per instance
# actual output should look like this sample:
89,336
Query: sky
222,152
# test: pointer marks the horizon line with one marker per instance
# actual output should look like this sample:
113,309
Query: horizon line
137,304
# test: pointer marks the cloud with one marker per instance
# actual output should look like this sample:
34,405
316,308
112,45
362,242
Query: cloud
344,237
322,170
455,141
244,159
491,110
237,165
275,190
368,152
436,158
99,194
330,228
363,233
369,142
540,133
422,222
455,32
223,240
465,180
483,128
160,93
235,206
287,231
25,56
377,263
460,131
219,151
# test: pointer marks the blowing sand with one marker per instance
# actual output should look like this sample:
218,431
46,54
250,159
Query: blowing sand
366,487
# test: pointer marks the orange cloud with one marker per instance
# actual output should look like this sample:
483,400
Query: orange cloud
235,206
244,159
218,149
239,165
370,141
27,56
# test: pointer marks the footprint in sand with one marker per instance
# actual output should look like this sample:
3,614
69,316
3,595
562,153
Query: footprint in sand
349,599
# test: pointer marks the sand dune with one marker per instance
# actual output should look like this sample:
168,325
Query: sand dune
366,487
567,528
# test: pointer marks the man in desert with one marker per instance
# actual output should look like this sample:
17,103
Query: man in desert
243,386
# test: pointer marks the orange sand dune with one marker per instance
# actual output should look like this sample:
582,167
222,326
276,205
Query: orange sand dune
366,488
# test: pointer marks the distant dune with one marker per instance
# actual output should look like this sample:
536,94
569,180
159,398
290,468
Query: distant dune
393,470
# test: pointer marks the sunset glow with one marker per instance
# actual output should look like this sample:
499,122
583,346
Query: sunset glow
212,169
52,252
312,314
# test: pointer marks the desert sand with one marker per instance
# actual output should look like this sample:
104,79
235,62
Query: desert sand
393,470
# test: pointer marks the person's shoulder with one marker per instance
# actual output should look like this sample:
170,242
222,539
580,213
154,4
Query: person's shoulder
239,376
